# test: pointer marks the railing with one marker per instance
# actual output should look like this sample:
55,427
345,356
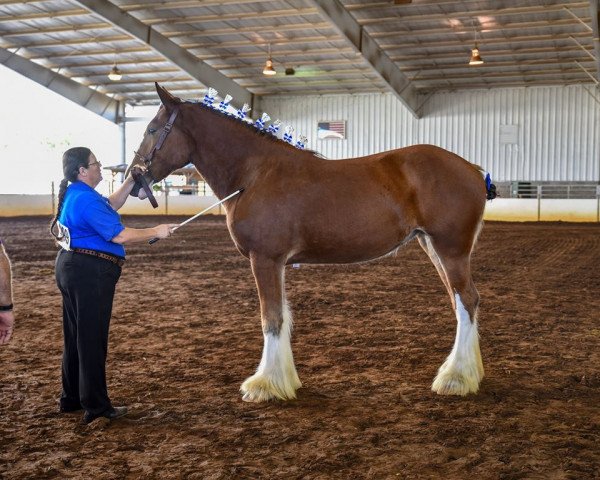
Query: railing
201,189
542,190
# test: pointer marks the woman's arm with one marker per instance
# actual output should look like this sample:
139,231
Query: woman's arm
133,235
118,198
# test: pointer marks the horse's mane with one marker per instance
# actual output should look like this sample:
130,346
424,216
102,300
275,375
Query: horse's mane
250,126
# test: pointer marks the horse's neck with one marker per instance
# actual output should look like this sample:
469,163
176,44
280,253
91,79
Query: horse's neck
224,150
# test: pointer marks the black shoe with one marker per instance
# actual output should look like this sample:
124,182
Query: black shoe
70,409
66,405
112,413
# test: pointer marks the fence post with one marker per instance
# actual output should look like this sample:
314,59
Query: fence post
539,199
166,198
598,203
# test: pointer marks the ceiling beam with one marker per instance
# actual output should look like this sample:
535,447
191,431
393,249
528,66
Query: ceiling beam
493,65
542,24
443,87
86,97
471,13
190,64
180,4
595,11
273,30
381,63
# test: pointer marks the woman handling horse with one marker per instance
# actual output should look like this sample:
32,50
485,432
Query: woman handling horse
88,268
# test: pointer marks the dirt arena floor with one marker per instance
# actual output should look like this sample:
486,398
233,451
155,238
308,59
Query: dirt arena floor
368,341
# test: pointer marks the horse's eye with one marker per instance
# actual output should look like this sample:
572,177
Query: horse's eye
151,131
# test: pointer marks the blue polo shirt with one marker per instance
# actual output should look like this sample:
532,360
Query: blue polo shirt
91,220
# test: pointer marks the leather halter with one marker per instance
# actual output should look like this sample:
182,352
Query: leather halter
137,176
163,135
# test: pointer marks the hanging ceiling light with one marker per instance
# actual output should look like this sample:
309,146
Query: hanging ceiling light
115,74
268,68
475,57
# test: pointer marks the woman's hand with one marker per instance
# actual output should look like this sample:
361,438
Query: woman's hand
119,197
140,168
165,230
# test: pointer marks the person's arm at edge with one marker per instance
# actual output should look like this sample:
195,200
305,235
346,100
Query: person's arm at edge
7,318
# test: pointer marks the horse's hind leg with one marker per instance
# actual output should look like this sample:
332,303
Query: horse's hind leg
462,371
276,375
426,245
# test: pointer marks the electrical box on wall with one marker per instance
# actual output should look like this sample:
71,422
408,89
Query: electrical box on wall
509,134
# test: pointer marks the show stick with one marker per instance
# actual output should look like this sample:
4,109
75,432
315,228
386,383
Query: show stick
154,240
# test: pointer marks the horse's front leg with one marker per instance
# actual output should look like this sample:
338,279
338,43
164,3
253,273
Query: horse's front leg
276,375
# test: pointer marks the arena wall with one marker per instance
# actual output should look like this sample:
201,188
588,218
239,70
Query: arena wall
500,209
517,134
26,205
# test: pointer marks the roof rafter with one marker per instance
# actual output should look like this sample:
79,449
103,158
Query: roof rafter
381,63
595,13
464,14
190,64
82,95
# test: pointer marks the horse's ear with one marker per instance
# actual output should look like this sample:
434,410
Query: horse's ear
168,100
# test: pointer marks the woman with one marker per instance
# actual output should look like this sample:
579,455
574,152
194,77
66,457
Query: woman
88,267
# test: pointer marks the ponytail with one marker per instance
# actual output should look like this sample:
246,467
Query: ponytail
62,189
72,160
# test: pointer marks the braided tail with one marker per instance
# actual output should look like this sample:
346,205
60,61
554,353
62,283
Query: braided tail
490,188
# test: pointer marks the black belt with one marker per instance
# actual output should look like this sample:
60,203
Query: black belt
106,256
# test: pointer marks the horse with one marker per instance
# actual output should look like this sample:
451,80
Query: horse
299,208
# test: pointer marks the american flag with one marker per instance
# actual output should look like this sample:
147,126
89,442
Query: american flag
332,129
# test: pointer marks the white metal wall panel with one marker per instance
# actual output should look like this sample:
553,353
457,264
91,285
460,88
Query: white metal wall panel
558,128
374,122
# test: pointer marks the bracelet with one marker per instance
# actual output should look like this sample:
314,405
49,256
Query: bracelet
6,308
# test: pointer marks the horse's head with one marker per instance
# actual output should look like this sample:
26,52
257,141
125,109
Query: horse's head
165,147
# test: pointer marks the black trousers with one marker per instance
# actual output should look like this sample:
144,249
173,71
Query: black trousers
87,285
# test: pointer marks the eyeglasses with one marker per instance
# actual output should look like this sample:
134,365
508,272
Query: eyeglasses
94,163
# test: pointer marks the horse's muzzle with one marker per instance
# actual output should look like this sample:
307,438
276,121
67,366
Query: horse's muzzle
143,186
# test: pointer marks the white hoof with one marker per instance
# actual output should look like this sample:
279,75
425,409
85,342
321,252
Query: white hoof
261,388
462,371
451,381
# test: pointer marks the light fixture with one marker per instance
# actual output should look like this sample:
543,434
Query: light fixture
475,57
268,68
115,74
290,71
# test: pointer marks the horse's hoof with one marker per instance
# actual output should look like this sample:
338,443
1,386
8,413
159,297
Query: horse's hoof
259,388
454,383
249,398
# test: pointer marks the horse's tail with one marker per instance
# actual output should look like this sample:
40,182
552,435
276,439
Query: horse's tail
490,187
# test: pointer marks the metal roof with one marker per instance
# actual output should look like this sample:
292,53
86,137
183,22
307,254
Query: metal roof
333,46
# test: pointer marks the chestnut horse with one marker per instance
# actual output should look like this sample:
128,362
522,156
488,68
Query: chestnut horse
299,208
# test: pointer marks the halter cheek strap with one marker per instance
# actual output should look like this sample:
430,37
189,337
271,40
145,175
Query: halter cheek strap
138,176
163,135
